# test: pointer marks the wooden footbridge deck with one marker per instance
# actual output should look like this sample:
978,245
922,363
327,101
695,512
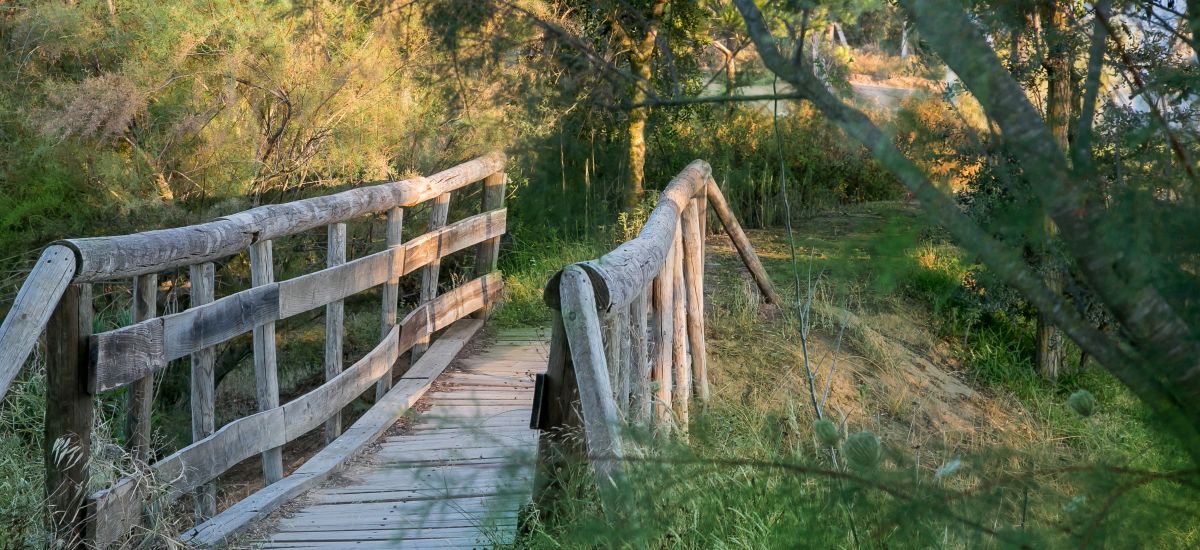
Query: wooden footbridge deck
451,447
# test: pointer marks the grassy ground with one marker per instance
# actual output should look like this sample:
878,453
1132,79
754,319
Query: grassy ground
977,450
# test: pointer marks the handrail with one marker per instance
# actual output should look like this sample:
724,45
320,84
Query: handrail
608,312
56,299
103,258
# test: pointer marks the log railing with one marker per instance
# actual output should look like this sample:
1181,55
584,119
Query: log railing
56,298
628,344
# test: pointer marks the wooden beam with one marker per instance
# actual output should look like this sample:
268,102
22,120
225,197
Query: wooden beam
266,374
681,379
639,375
139,401
488,251
31,310
391,291
693,279
663,317
581,323
334,323
741,243
438,211
624,272
126,354
69,409
203,395
106,258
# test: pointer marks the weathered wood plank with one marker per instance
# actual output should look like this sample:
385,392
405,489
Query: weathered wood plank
266,373
104,258
203,394
335,313
741,242
439,210
31,310
639,374
324,287
693,279
69,411
581,323
139,400
452,238
449,307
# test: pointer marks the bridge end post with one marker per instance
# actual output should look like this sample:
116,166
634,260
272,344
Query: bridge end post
68,428
489,251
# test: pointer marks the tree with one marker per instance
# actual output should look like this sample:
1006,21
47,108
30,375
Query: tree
1147,289
637,30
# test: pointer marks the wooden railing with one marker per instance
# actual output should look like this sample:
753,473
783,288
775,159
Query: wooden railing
628,344
57,298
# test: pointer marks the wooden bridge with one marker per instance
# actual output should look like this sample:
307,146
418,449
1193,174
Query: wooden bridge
449,451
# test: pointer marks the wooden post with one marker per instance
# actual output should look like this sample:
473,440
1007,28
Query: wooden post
663,312
439,210
489,251
68,425
391,295
559,419
600,424
639,373
612,350
266,375
625,360
681,389
334,319
139,402
741,243
693,278
203,278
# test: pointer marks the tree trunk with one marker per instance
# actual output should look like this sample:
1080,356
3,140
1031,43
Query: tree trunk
904,40
1058,118
635,186
730,68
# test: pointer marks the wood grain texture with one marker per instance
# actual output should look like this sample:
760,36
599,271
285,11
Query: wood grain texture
640,398
126,354
681,379
31,310
203,383
439,210
139,400
391,289
663,319
625,271
693,279
581,323
106,258
488,252
335,318
266,371
69,412
741,243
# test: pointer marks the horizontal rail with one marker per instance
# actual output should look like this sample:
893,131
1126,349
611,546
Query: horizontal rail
619,276
114,511
130,353
106,258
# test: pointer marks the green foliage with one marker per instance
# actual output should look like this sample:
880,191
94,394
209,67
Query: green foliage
827,432
1082,403
862,451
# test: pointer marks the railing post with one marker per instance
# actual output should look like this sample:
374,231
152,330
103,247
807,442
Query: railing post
741,243
693,278
639,372
140,397
559,418
335,313
68,425
266,374
682,379
663,313
203,279
489,251
391,295
439,211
